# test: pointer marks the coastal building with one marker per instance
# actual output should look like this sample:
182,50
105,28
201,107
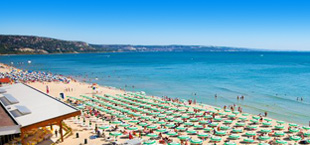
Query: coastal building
24,108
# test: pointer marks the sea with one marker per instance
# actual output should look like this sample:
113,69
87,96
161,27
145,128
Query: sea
269,81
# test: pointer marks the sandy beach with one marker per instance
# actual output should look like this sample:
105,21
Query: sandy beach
201,123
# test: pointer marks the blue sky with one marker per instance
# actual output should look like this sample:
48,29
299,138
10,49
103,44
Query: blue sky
269,24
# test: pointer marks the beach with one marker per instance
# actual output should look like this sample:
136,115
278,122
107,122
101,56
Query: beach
231,126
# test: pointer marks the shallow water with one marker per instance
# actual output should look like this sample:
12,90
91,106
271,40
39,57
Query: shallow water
270,81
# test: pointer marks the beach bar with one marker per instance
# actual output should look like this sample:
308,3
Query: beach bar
24,108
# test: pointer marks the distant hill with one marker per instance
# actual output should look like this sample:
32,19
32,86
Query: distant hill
16,44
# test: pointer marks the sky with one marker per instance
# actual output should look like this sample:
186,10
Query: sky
263,24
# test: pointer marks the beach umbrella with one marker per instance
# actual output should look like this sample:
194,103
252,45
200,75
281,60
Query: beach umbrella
292,124
134,121
234,136
203,135
184,116
279,133
104,127
293,130
198,126
307,134
248,140
203,122
226,110
222,113
240,124
263,144
265,130
267,119
190,112
143,124
149,142
306,128
161,122
161,130
236,112
196,141
217,109
172,133
199,114
169,118
220,132
280,122
80,107
161,115
245,114
193,119
256,117
237,130
218,119
243,118
232,116
178,120
170,125
168,112
224,127
279,126
180,128
207,129
174,143
295,138
264,137
127,118
213,124
252,127
133,128
152,135
228,121
188,123
153,119
176,114
116,134
124,125
254,120
145,117
116,122
266,124
183,137
191,131
152,126
250,133
230,143
215,139
281,142
208,116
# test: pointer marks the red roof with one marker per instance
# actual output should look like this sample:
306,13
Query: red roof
5,80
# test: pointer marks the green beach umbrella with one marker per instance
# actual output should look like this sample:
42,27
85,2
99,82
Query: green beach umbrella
279,126
267,119
230,143
208,129
134,121
294,130
222,114
152,135
116,134
235,112
245,114
264,137
133,128
127,118
203,135
161,115
180,128
172,133
149,142
218,119
228,121
184,116
104,127
143,124
254,120
183,137
190,112
198,126
265,130
295,138
80,107
243,118
220,132
232,116
152,126
193,119
250,133
169,118
307,134
280,122
170,125
248,140
306,127
174,143
226,110
215,139
199,114
234,136
161,122
178,120
203,122
263,144
213,124
279,133
292,124
240,124
217,109
266,124
281,142
153,119
191,131
161,130
124,125
116,122
145,117
208,116
256,117
196,141
224,127
188,123
252,127
237,130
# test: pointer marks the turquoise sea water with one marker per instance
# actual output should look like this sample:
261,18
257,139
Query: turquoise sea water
270,81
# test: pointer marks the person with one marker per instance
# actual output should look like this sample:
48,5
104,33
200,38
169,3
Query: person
215,96
47,90
301,99
242,97
266,114
297,98
237,97
56,132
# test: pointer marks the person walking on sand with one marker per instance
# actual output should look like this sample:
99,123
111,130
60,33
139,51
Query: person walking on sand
47,90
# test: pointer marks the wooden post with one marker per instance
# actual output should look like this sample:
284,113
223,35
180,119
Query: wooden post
60,131
22,136
51,127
